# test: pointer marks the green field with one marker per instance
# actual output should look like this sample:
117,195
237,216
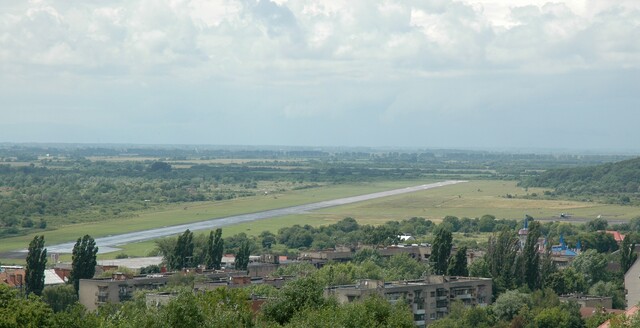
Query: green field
199,211
471,199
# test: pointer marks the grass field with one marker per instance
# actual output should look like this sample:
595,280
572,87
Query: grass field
189,161
192,212
471,199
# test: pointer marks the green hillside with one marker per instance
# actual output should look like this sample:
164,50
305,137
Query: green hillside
618,182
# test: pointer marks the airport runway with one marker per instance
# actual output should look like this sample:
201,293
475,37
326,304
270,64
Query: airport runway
109,244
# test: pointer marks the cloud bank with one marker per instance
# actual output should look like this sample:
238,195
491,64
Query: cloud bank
443,73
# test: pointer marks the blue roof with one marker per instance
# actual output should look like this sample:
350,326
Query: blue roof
563,251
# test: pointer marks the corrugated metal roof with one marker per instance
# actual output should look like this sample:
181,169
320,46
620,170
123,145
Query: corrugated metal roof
51,278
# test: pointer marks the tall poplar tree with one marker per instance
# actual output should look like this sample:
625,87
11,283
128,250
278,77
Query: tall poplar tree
440,250
182,252
242,258
501,256
531,257
458,263
627,254
214,250
83,260
36,263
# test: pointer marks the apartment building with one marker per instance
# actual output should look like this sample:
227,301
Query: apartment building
119,288
430,299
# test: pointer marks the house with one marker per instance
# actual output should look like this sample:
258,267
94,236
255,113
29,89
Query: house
588,301
51,278
618,237
629,313
429,298
406,237
12,275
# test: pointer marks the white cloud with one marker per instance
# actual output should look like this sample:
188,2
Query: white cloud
249,38
329,60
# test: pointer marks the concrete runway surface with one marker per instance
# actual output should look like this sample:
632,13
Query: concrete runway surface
108,244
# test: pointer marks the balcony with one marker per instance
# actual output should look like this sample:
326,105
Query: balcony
442,309
464,297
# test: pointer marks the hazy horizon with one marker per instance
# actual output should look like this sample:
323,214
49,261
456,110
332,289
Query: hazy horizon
470,75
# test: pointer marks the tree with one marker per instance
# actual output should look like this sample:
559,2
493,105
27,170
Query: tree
268,239
300,294
552,318
479,268
531,257
215,248
458,263
547,266
487,223
36,263
509,303
627,254
347,224
371,311
22,312
242,257
367,254
75,316
501,256
160,167
59,297
440,250
451,223
597,225
592,265
403,267
83,260
183,252
615,291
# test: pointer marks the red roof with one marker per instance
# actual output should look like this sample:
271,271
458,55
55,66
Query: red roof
630,312
616,235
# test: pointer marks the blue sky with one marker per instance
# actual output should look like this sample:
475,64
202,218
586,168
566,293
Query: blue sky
435,74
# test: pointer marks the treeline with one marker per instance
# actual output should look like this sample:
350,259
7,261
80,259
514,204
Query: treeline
348,232
299,303
617,182
502,162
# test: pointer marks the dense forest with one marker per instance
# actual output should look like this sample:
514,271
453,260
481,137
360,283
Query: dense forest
614,182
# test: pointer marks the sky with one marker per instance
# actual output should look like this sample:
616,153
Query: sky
474,74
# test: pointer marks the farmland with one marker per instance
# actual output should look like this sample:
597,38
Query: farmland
75,191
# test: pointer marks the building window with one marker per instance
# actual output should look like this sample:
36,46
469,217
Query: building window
418,317
123,293
433,294
103,293
432,316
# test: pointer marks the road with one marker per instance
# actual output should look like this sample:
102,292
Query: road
109,244
572,219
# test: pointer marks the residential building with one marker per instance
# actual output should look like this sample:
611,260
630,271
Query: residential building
632,284
51,278
589,301
345,254
430,299
13,276
629,313
94,292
